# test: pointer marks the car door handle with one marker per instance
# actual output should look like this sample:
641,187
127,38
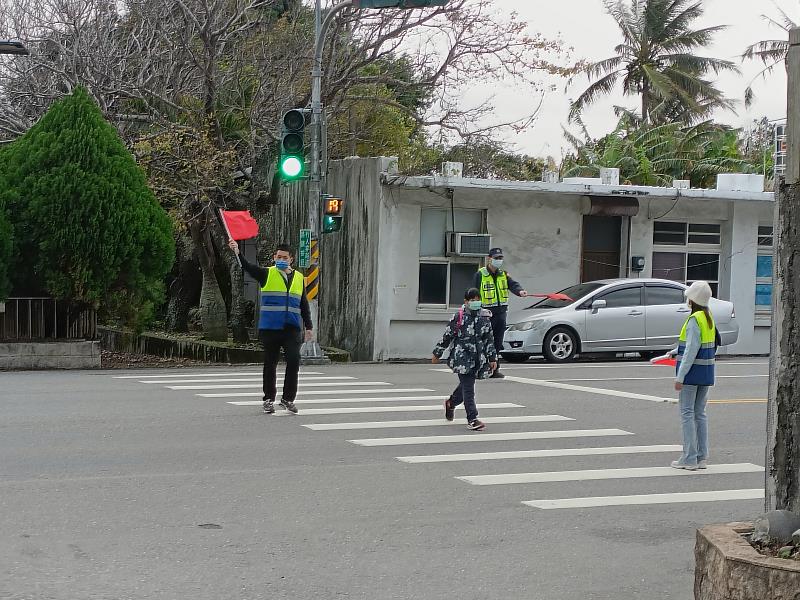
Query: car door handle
684,310
635,313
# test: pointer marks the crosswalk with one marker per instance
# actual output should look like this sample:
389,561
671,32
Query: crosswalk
324,394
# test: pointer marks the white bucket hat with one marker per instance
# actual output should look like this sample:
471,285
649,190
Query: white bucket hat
699,293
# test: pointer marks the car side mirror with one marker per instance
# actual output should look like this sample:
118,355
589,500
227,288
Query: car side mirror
598,304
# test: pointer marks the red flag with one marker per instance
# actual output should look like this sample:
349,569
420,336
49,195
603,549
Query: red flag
239,223
666,361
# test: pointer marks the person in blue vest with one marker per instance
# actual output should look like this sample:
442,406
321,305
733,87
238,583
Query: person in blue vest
284,314
696,352
494,284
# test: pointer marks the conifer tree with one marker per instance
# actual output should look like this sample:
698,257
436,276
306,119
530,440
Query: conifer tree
87,227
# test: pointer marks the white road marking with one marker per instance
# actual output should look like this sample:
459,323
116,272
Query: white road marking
479,436
750,494
596,474
437,458
618,365
244,386
220,374
248,380
304,401
386,409
432,422
672,378
317,392
590,390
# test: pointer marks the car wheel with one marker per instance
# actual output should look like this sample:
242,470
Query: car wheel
516,358
560,345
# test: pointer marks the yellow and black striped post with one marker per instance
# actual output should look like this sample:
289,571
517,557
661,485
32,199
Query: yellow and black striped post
312,278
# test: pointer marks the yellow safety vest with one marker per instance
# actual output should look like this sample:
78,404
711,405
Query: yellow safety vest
489,295
281,306
702,371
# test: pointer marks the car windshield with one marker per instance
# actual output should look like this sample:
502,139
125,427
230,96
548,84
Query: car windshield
576,292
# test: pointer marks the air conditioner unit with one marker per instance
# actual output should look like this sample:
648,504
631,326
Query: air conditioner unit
468,244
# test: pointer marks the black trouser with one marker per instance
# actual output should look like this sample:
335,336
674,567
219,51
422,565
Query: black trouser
273,340
465,393
499,330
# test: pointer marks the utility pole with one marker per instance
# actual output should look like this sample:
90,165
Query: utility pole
321,26
783,431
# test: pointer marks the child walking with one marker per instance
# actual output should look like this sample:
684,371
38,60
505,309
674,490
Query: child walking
695,375
472,355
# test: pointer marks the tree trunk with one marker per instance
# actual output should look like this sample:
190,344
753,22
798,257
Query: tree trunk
184,289
786,429
212,305
240,312
645,103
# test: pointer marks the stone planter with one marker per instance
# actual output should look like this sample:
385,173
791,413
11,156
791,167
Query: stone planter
727,567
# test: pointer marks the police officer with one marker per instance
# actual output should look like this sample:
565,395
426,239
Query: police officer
283,313
494,284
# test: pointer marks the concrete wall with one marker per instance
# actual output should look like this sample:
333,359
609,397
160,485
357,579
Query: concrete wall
539,234
49,355
354,259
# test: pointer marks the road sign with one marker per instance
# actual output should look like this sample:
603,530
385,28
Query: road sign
304,253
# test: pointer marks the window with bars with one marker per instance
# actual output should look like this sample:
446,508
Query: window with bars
687,252
444,279
765,270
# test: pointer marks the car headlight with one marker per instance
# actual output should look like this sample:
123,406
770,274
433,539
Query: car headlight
526,325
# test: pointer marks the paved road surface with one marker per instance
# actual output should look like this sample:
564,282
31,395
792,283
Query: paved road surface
172,484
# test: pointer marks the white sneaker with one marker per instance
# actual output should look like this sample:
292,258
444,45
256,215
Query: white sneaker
675,464
702,464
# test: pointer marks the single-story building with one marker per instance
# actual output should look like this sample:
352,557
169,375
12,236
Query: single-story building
409,247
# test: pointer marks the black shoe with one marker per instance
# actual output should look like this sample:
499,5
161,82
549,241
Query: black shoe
289,405
269,407
497,375
449,409
477,425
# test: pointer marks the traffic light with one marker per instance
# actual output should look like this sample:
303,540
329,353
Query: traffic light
332,218
398,3
291,163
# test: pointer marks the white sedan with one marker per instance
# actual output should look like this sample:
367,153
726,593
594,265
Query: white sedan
613,316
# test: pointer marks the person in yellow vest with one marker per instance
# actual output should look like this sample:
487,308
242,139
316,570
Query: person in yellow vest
284,313
494,284
696,352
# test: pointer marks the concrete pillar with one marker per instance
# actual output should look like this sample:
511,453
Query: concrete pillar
738,270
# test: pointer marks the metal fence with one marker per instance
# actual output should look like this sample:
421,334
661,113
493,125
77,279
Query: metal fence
30,319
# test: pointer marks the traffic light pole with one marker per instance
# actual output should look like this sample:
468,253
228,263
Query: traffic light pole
321,27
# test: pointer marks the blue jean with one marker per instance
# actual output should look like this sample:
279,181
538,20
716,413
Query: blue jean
692,403
465,393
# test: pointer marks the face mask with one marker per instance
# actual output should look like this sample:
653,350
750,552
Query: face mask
282,264
474,304
497,263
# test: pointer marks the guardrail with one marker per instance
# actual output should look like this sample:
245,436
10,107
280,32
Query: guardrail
31,319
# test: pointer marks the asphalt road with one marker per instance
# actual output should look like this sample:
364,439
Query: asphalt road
113,485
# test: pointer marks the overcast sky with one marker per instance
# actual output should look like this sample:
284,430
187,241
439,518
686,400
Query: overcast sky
584,25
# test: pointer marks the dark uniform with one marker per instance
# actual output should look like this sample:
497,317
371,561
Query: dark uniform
494,286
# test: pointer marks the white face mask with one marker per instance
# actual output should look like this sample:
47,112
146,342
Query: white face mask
497,263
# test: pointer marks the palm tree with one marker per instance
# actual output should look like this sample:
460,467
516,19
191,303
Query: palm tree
770,52
656,61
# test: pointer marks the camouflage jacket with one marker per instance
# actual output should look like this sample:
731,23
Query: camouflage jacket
471,344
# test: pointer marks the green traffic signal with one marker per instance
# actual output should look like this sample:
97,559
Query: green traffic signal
292,148
331,223
291,167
